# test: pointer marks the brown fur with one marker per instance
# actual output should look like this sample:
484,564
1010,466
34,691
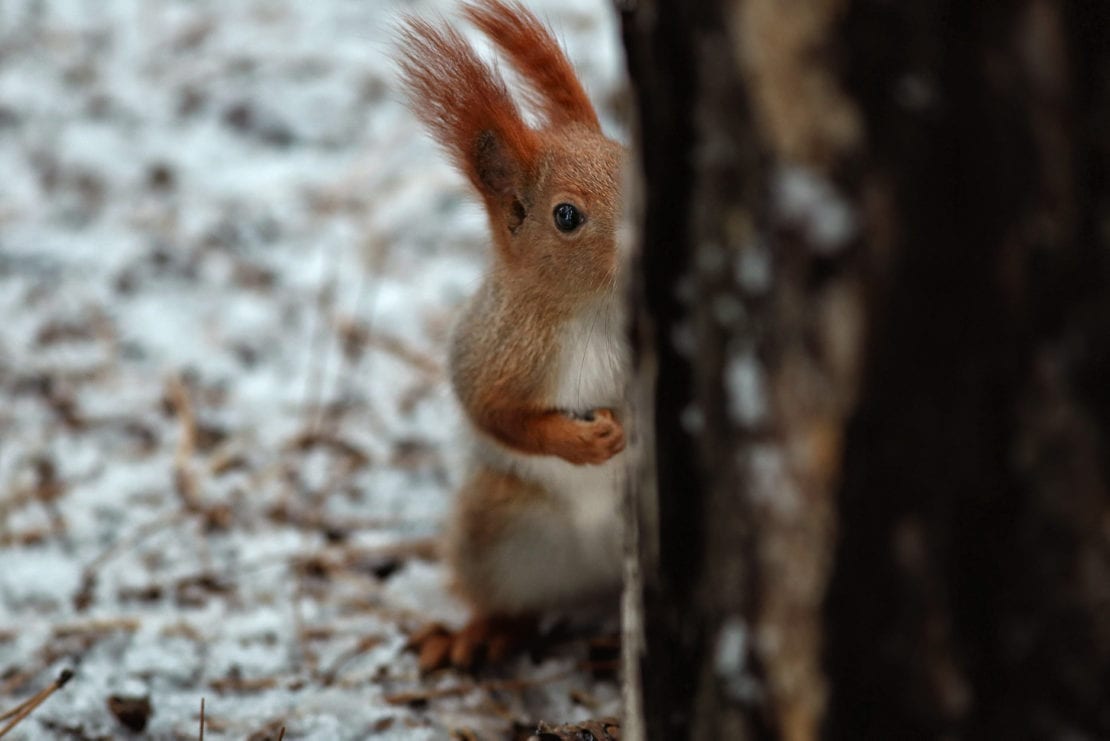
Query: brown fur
465,103
488,506
553,86
502,362
504,346
506,351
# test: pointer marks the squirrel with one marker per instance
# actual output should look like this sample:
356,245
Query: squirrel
539,357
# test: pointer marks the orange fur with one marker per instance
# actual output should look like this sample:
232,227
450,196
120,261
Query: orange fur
461,99
550,432
535,53
485,511
506,345
535,522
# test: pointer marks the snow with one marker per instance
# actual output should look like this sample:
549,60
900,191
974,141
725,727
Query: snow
730,660
771,483
732,647
228,199
753,268
808,201
744,384
34,580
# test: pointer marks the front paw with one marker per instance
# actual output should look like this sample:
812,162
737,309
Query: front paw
594,438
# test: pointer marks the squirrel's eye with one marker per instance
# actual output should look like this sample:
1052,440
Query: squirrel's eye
567,217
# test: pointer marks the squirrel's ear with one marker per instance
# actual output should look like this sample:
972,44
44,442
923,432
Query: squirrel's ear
467,107
504,181
496,168
553,86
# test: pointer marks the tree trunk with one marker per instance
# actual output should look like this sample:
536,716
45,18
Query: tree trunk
874,330
970,596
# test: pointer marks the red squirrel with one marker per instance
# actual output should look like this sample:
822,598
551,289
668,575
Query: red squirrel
538,359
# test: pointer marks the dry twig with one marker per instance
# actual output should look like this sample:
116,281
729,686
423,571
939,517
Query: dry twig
25,708
84,595
357,336
184,480
364,644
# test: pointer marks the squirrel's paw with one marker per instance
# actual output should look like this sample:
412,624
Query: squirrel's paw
596,438
483,640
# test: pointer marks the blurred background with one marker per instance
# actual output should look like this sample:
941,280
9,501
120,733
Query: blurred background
229,261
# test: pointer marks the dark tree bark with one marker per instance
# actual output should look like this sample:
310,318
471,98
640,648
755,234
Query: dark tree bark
685,596
970,598
874,331
750,331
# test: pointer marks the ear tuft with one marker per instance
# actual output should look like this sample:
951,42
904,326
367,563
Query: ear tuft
467,107
553,85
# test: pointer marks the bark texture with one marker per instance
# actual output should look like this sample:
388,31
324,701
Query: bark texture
973,576
874,326
750,329
686,597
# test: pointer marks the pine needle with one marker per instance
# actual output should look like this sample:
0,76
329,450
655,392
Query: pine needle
25,708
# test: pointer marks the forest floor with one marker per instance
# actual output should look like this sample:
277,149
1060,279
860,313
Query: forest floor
229,260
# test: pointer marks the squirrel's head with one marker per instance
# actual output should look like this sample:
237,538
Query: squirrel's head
552,192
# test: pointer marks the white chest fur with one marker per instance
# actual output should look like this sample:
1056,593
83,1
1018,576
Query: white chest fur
592,360
583,532
591,371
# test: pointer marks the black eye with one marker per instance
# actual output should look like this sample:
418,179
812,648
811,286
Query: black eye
567,217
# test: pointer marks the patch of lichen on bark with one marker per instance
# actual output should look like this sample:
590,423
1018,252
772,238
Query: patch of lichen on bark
783,47
811,351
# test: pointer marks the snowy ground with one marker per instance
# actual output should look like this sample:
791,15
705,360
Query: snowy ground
228,263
